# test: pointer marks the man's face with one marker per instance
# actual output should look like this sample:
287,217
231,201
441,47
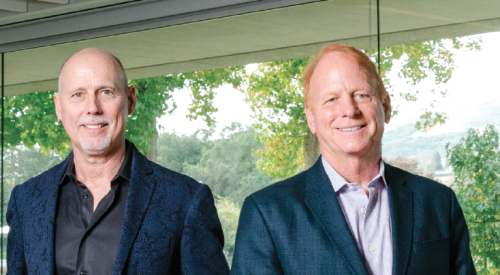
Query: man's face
344,110
91,104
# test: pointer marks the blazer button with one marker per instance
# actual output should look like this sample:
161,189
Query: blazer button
83,272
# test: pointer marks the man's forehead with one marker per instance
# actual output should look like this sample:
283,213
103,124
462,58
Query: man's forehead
91,60
337,67
339,62
88,65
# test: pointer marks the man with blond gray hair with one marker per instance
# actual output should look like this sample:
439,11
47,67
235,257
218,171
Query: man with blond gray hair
107,209
351,213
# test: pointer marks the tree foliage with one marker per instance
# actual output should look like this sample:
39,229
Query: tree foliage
228,166
31,119
276,98
153,100
203,85
429,60
179,152
476,164
229,214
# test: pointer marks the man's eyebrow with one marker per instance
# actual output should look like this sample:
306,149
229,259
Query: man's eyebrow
111,87
360,88
76,90
81,89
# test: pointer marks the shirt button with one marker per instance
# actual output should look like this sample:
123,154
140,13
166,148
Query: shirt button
83,272
85,196
351,187
372,249
363,210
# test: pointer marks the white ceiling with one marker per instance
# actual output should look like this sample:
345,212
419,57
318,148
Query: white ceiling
13,11
290,32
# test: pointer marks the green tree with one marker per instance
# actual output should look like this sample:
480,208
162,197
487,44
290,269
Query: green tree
31,119
276,97
153,95
228,166
476,164
178,152
229,214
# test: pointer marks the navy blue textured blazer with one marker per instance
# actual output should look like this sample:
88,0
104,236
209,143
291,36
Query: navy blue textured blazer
170,225
297,226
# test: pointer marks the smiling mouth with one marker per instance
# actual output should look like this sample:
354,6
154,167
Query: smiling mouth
351,129
95,126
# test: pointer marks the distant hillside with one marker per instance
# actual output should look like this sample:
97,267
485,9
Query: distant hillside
402,141
407,141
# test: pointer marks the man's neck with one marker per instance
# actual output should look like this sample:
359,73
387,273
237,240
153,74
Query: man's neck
355,168
97,171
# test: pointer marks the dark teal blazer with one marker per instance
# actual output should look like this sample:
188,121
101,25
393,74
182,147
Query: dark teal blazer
170,225
297,227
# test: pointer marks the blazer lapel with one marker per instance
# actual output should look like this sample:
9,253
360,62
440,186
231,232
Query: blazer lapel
321,199
401,204
141,189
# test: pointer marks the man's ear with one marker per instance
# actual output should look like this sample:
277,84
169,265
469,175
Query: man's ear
310,120
387,108
57,105
131,99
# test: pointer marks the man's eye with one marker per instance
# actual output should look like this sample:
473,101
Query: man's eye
363,97
332,100
77,94
106,92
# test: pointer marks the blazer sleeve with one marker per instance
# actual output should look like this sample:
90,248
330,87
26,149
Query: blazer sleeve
16,263
202,237
254,252
461,259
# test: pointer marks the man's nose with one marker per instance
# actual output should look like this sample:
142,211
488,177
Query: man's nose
93,105
348,107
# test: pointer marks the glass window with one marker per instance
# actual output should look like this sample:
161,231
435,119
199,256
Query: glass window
437,62
221,100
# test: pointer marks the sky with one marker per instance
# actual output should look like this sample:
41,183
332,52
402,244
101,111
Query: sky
473,83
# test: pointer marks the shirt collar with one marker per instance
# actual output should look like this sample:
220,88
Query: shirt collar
338,181
124,171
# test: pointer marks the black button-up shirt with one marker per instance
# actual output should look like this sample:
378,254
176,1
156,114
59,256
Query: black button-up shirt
86,242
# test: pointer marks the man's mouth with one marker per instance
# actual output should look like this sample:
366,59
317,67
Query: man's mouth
352,129
95,126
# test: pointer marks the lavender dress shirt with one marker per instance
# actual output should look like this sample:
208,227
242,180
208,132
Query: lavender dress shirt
369,218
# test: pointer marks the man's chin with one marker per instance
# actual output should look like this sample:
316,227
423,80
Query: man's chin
95,147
